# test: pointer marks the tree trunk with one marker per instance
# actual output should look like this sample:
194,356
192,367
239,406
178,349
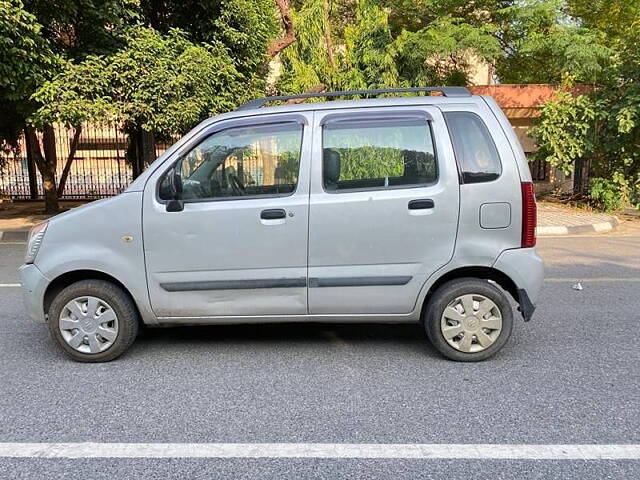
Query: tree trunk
46,165
279,44
31,169
67,166
577,176
51,204
327,35
317,89
148,148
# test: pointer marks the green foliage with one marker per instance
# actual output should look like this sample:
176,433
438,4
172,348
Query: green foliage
305,63
37,39
413,15
609,195
602,127
77,28
562,132
163,84
25,62
370,162
542,44
369,60
375,52
25,59
442,52
243,27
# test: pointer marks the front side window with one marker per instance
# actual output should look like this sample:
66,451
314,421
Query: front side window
241,162
377,153
477,156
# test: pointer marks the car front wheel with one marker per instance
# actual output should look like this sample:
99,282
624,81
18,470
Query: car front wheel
93,321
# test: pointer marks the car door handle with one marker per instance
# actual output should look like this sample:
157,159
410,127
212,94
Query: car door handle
273,214
421,204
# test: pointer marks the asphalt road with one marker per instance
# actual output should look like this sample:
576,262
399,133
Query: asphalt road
570,376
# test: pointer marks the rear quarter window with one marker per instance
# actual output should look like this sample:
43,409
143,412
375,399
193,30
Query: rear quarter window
475,151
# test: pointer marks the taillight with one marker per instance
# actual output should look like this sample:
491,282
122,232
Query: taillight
529,215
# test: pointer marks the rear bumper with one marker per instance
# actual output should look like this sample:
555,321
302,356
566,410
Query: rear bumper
525,267
34,285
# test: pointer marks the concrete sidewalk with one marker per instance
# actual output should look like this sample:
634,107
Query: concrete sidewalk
553,219
557,219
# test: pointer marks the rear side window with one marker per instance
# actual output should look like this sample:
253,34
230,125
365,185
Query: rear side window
363,154
476,154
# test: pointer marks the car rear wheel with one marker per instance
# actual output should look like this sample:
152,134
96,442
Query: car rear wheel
93,321
468,319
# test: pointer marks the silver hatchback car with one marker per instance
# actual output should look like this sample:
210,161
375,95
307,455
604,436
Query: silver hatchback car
406,209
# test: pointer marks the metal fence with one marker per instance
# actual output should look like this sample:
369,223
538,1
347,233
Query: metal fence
98,170
539,170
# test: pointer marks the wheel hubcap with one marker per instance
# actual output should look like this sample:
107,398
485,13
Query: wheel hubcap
88,324
471,323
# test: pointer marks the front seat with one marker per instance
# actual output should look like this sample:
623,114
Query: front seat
331,168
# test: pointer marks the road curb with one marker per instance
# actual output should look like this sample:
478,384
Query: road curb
599,227
14,235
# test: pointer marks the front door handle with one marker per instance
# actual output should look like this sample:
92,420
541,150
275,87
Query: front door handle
273,214
421,204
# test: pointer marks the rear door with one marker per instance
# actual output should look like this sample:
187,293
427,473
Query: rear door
383,208
239,247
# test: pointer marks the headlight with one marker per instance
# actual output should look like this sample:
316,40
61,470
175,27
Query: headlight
35,240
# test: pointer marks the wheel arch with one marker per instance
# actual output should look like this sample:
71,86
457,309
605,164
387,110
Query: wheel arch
486,273
65,279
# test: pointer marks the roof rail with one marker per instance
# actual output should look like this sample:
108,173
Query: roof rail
446,91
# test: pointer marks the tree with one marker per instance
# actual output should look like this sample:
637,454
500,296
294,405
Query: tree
37,38
378,46
155,83
602,128
542,43
25,62
244,27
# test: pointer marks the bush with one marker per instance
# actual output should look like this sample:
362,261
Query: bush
609,195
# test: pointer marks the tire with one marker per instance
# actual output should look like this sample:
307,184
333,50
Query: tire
486,332
100,336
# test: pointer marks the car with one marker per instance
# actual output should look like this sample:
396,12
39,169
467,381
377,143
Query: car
408,208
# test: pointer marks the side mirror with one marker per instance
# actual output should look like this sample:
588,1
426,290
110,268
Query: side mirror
175,205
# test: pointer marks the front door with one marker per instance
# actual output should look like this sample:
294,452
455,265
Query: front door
384,208
239,247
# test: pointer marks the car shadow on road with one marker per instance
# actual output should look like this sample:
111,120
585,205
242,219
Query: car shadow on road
402,336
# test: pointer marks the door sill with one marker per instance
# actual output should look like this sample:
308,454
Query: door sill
319,318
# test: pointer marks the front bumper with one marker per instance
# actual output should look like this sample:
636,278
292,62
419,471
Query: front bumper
34,286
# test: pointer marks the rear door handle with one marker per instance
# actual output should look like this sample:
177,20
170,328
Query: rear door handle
273,214
421,204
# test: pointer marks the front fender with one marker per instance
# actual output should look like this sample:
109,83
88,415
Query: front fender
105,237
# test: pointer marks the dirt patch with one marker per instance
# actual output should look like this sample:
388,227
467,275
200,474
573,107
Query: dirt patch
20,215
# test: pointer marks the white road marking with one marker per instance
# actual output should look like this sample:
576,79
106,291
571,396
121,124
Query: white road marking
321,450
593,280
9,285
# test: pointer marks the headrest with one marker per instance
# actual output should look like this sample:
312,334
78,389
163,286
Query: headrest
331,166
